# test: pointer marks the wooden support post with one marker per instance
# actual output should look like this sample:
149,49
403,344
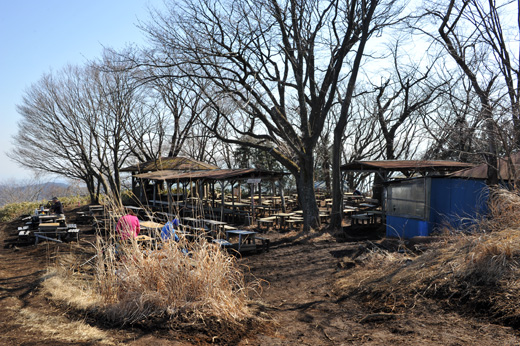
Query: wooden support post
222,196
283,198
154,194
169,187
252,193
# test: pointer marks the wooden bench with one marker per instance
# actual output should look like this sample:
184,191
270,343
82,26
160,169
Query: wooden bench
222,242
24,235
264,243
73,234
267,222
229,228
84,217
360,219
293,223
49,226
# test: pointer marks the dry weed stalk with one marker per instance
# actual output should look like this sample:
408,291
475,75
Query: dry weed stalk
504,210
169,282
186,281
480,269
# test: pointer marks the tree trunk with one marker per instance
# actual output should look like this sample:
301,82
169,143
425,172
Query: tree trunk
491,156
306,195
377,188
336,213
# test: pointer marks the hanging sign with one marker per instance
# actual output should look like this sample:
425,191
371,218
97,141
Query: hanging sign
254,181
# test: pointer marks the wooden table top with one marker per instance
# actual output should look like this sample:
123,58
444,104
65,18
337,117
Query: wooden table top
143,237
150,224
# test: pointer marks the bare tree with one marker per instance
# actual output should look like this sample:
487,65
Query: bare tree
399,100
472,33
365,18
182,105
277,62
54,135
454,127
120,101
487,18
362,137
146,134
83,123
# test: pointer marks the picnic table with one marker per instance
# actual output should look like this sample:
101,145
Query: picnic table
368,217
199,223
215,226
52,231
283,217
150,226
51,218
96,209
245,238
142,238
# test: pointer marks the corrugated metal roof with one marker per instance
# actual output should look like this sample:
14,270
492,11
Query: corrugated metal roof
178,163
219,174
504,171
405,165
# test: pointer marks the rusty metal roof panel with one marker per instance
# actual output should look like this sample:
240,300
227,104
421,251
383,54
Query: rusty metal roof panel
178,163
399,165
219,174
505,170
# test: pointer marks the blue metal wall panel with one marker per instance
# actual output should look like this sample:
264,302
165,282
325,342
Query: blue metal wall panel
401,227
456,203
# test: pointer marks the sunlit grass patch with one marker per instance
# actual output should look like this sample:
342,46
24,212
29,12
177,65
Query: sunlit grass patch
59,328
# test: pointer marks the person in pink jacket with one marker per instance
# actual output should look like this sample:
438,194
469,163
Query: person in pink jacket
128,226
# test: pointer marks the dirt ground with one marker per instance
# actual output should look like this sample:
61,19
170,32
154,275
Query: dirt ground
297,296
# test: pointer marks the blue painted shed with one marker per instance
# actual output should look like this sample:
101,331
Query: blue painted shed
420,206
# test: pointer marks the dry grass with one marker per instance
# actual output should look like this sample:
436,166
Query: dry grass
59,328
157,284
71,289
168,283
479,272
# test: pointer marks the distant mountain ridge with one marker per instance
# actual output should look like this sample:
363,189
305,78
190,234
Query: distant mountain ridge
15,193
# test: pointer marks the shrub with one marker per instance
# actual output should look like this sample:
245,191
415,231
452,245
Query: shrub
182,282
11,211
187,283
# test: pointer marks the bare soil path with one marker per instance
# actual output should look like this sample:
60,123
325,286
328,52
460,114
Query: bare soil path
297,295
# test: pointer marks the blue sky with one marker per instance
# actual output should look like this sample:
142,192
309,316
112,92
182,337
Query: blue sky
40,36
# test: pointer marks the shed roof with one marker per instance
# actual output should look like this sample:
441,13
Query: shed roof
505,171
218,174
406,166
178,163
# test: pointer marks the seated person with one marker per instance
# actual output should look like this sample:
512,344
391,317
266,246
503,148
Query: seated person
128,226
168,231
56,207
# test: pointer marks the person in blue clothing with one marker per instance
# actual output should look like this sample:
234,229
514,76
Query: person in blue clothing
168,231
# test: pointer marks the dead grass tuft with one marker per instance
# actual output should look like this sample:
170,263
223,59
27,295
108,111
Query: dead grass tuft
59,328
504,210
70,289
187,284
169,283
479,272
